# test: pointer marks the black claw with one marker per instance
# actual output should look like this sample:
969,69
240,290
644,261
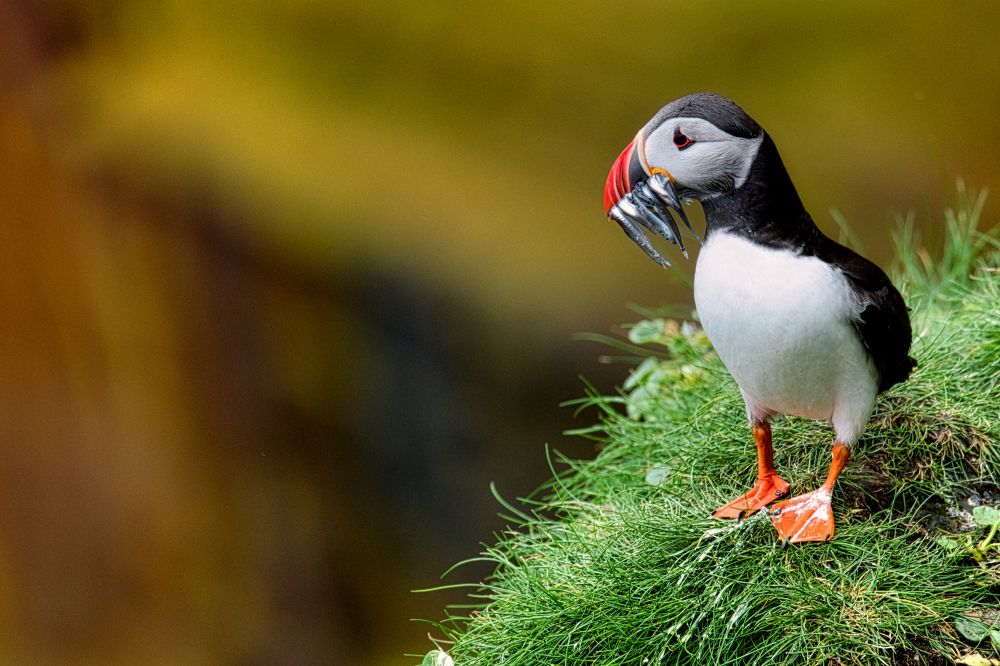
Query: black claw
784,543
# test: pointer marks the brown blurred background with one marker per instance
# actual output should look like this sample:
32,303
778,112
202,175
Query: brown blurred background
285,284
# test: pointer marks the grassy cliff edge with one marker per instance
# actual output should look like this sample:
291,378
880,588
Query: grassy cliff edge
616,560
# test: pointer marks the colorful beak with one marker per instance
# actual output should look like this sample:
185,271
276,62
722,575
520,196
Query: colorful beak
633,197
625,172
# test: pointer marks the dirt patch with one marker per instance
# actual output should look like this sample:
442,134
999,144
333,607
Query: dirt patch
921,655
953,444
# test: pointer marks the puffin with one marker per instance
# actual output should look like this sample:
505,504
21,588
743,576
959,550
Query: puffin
804,325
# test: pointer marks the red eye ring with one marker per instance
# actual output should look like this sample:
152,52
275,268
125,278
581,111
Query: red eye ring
681,140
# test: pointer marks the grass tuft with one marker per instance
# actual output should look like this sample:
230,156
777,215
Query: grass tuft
616,560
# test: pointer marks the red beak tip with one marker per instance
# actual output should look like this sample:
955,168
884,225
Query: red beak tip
617,184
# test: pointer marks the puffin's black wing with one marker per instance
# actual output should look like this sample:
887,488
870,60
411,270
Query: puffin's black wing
883,325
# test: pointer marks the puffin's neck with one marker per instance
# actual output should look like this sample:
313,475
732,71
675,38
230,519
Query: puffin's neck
766,208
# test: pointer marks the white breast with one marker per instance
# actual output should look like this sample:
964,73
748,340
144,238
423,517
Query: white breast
782,325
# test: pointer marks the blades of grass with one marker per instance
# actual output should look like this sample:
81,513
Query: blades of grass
611,569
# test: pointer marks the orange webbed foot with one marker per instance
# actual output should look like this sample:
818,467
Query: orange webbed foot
766,490
808,517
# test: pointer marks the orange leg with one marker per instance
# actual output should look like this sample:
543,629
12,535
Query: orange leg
809,517
769,486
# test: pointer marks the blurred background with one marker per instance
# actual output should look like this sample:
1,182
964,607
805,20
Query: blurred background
286,284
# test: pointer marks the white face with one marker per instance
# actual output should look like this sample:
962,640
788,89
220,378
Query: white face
712,163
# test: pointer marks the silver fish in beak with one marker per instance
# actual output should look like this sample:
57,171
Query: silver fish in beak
634,198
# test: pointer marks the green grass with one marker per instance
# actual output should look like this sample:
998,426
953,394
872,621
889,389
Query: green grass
616,560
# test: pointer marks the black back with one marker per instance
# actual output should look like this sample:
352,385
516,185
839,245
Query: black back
884,325
767,210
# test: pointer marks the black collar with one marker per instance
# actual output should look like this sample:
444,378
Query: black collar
766,209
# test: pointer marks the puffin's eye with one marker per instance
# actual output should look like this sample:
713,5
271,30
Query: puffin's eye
681,140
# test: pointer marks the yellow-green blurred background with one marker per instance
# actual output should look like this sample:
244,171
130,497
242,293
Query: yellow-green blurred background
285,284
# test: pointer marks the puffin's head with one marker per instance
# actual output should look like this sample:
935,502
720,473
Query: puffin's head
697,147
